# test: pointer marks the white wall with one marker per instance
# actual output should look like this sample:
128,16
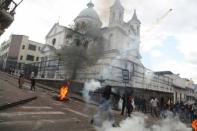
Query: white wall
26,51
57,33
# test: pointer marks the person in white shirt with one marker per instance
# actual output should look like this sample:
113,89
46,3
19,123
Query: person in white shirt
154,105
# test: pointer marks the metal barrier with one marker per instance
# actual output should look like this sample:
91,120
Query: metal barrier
139,76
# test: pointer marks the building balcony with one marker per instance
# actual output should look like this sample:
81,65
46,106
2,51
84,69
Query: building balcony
7,11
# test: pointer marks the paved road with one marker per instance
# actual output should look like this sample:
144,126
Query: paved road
45,113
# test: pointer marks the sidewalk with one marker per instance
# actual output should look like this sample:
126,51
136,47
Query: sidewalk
11,95
38,85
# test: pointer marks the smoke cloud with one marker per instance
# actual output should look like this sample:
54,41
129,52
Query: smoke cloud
138,122
91,85
103,7
148,76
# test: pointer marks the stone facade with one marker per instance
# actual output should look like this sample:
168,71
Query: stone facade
121,42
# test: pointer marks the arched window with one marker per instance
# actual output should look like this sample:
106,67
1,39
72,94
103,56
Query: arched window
53,41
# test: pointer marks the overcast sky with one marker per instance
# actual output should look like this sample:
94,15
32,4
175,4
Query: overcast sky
168,39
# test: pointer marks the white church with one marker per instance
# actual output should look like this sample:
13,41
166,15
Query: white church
121,52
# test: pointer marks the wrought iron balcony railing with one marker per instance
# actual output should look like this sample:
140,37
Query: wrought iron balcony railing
7,11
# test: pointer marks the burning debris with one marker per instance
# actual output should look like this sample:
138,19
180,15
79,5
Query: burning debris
63,94
194,125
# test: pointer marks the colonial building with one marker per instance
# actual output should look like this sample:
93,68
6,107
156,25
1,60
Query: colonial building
17,51
183,89
121,53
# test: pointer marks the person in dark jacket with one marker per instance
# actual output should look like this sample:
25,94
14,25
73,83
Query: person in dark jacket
127,102
124,99
143,106
33,82
106,93
129,105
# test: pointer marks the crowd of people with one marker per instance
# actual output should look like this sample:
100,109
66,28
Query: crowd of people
159,108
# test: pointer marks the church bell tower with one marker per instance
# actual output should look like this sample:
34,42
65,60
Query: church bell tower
116,14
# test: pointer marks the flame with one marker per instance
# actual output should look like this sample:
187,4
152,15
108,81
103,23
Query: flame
63,93
194,125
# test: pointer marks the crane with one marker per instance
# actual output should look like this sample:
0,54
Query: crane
159,20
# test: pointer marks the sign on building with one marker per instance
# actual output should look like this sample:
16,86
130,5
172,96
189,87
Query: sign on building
125,75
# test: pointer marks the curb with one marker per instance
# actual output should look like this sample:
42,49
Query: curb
13,104
51,89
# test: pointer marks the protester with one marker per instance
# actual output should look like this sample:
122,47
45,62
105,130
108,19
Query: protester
32,75
129,104
151,105
194,108
138,103
124,99
12,71
143,105
33,82
154,104
21,80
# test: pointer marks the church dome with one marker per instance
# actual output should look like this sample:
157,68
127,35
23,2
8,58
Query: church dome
89,13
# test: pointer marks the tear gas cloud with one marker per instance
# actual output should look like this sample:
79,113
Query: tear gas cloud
138,123
148,75
91,85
